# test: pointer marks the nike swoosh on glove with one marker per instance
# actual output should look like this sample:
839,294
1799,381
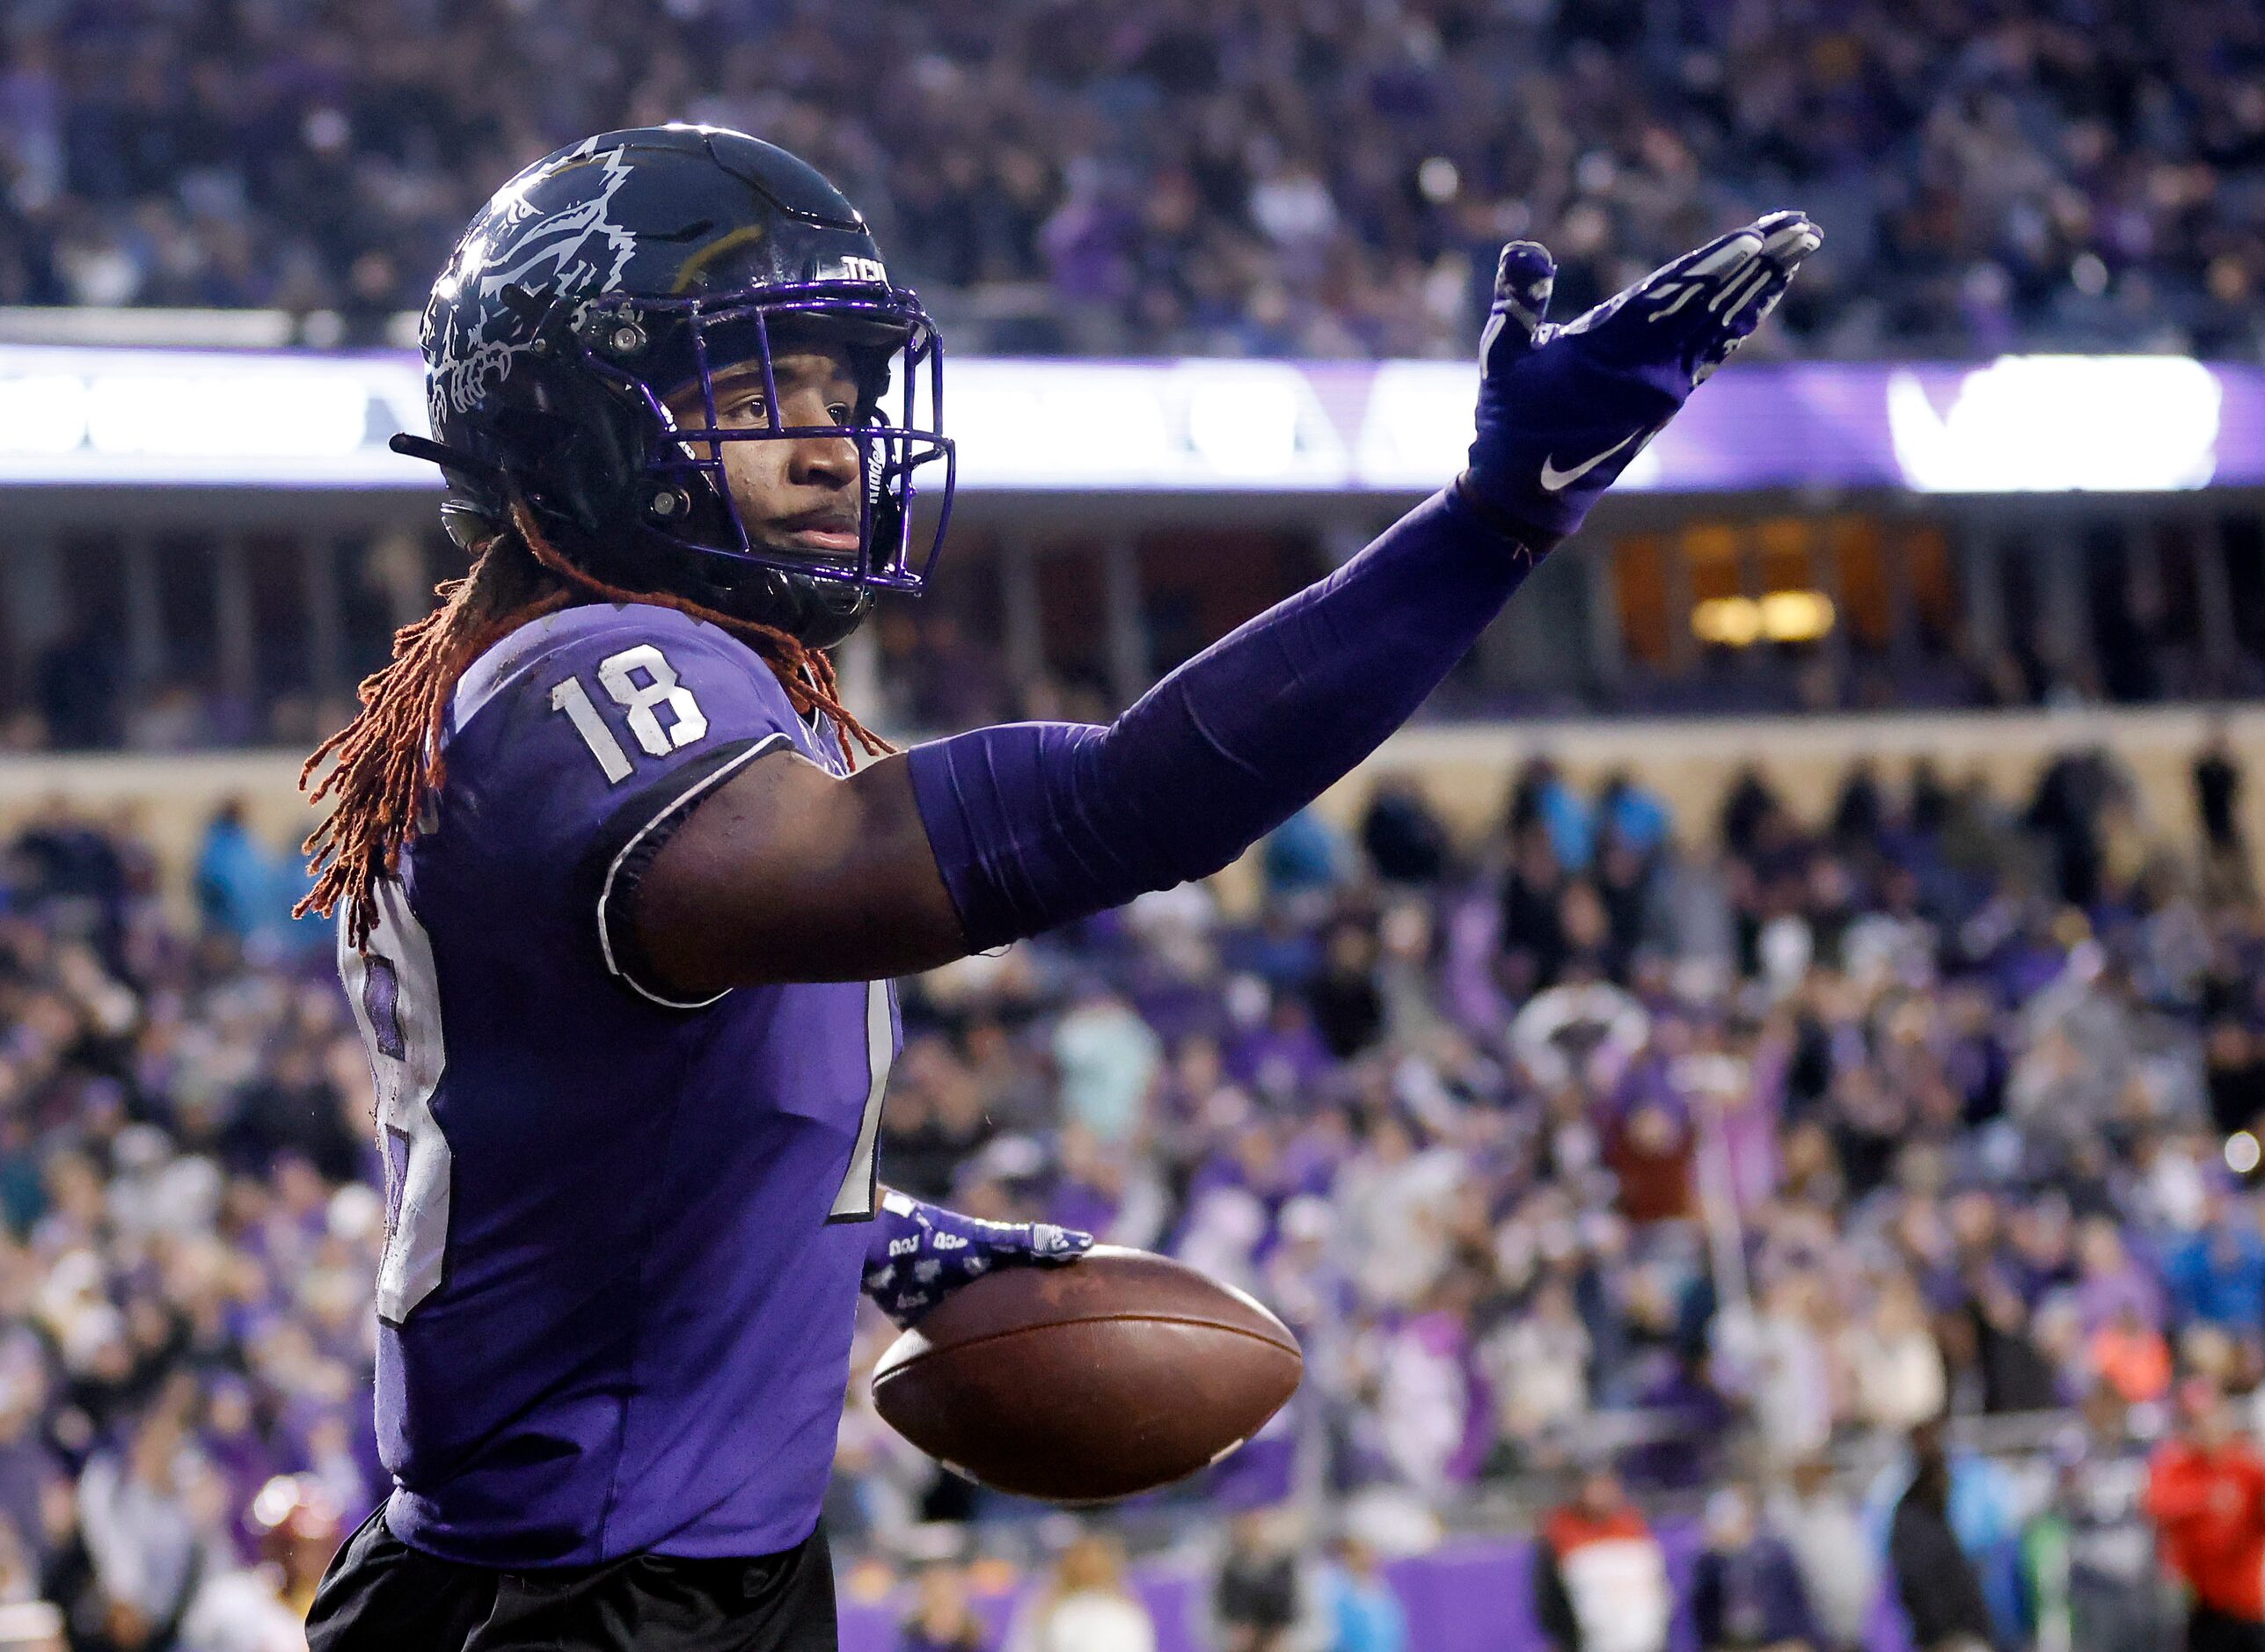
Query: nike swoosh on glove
919,1253
1563,410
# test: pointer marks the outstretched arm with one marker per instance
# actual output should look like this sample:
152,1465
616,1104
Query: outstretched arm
788,873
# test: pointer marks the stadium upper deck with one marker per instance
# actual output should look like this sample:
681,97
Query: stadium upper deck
1241,178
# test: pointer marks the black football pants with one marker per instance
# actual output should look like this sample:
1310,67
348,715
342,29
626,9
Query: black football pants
382,1595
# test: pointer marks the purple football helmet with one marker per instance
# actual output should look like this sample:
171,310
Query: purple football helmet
611,278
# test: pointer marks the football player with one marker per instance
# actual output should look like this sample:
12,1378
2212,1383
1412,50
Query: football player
619,906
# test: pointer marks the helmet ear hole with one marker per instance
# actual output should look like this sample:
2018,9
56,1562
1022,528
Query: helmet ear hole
469,522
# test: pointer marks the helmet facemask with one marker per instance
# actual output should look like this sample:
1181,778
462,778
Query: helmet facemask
645,348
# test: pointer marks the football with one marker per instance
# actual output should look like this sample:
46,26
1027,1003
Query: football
1116,1374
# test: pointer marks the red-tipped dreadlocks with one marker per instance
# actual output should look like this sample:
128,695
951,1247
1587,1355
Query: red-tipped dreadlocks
388,758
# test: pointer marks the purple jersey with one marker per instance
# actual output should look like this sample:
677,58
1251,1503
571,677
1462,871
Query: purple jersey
616,1296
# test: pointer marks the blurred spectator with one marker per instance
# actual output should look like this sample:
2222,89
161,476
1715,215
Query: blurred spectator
1633,817
1404,838
1304,855
1942,1598
1538,1363
2098,1586
1542,799
1347,1009
935,1118
1263,1596
1108,1058
941,1619
2235,1075
240,889
1747,1591
135,1510
1839,1565
1362,1612
66,872
1792,1386
2132,1357
263,1608
1588,1032
1900,1382
1086,1606
2206,1492
2219,781
1600,1579
2217,1274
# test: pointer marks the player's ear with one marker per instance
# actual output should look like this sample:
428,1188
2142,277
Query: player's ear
1523,281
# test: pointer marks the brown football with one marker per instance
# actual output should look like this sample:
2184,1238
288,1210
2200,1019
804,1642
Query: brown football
1114,1374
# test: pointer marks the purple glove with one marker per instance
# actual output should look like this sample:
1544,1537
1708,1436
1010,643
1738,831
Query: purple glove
1563,409
920,1254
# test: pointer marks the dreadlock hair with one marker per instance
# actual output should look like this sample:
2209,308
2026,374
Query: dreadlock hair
388,761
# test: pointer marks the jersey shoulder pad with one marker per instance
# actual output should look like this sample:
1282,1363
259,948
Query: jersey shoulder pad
576,747
591,637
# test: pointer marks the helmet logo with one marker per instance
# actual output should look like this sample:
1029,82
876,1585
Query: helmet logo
526,241
576,252
863,269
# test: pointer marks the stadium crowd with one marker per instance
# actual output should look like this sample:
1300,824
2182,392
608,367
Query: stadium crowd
1172,177
1666,1160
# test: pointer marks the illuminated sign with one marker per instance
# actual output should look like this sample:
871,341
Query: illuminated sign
2025,424
2020,424
248,417
1199,425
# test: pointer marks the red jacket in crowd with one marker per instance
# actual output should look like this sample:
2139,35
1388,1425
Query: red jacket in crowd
2208,1504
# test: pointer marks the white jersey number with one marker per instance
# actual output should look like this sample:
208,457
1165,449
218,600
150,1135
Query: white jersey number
640,681
397,1003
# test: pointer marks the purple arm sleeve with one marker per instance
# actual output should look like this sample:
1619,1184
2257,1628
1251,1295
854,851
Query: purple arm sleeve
1034,824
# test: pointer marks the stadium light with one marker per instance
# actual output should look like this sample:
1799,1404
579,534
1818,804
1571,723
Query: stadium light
1739,622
